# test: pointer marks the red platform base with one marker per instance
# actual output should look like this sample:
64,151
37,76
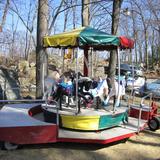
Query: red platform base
25,124
134,112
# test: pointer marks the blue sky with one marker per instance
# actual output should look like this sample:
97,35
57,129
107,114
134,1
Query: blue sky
24,9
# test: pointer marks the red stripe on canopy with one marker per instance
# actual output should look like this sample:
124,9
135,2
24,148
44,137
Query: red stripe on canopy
126,42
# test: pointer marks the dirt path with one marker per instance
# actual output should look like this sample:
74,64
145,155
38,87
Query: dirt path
145,146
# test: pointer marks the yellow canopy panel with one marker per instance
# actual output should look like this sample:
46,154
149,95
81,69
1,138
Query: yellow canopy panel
64,39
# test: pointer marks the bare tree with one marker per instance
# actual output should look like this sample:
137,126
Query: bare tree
85,22
144,21
28,20
14,31
74,3
5,13
41,54
29,24
139,43
101,15
153,7
85,12
145,27
66,12
54,17
115,23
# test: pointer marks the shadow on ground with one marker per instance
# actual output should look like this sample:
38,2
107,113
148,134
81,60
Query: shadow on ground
58,151
144,143
75,146
150,133
77,151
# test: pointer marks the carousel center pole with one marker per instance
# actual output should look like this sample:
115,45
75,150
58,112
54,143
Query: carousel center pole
76,68
85,68
118,97
132,91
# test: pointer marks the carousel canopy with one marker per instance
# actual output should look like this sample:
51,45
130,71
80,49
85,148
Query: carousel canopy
86,37
126,43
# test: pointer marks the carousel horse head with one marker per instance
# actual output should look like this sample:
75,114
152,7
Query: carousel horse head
85,82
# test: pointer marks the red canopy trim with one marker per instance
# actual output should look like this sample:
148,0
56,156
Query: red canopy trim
126,43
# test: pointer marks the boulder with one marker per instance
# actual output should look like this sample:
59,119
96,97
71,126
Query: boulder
23,67
9,84
24,81
32,64
32,75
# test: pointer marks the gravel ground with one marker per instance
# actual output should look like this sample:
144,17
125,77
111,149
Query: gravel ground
145,146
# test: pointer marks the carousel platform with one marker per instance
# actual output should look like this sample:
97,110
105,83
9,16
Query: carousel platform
118,132
26,124
17,115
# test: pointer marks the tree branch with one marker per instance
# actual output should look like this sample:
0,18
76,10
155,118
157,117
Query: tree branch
5,13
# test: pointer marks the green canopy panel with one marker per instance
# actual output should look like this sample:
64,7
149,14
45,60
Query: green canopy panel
91,37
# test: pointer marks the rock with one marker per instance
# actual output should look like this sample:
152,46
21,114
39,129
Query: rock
32,88
158,71
32,75
23,67
9,84
24,81
32,64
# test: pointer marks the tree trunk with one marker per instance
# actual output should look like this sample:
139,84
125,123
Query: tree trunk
41,54
141,56
85,22
146,48
5,13
152,53
135,32
158,45
135,47
74,3
152,49
64,29
85,12
115,24
27,35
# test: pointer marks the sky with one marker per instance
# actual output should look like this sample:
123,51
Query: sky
23,8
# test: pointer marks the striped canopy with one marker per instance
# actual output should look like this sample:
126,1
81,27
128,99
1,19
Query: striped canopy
86,37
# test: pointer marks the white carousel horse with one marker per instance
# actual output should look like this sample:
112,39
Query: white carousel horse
102,91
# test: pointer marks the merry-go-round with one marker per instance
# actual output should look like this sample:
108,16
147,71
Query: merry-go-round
37,121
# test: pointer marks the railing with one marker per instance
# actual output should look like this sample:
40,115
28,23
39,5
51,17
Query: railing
51,106
141,106
147,96
23,100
